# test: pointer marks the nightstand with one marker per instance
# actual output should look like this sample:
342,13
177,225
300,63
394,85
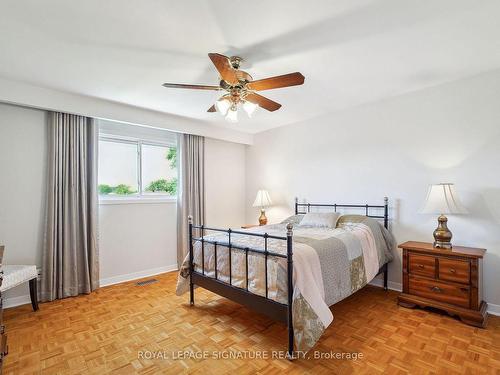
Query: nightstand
247,226
447,279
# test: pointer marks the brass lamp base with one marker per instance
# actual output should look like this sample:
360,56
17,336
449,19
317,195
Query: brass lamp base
442,235
262,217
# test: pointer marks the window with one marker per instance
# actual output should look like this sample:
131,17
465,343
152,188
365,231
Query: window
159,170
118,167
136,168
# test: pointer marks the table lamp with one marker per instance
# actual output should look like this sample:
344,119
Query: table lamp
443,199
262,200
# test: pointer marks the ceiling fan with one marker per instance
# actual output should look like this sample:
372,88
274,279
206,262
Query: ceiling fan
240,89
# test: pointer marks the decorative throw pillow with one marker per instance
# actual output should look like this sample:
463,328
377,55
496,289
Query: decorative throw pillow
351,219
320,219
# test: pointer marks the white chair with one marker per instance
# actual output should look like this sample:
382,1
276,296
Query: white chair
14,275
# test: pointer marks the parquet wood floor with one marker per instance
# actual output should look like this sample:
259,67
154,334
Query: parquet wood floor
105,332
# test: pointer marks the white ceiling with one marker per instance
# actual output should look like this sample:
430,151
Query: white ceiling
350,51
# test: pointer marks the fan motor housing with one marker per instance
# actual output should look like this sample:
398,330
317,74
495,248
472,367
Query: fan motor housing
235,61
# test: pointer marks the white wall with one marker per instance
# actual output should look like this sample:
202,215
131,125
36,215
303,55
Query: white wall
22,186
396,147
225,183
136,239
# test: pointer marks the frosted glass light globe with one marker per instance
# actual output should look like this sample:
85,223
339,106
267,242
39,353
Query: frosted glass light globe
249,108
232,115
222,105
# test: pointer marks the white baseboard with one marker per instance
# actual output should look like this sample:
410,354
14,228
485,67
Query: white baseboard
493,309
390,284
136,275
23,300
398,287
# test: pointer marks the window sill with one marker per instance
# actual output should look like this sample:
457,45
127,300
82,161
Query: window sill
137,200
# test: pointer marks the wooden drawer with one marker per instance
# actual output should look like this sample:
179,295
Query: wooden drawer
454,270
423,265
443,292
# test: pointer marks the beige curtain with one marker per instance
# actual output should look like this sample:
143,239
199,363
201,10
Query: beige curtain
191,191
70,255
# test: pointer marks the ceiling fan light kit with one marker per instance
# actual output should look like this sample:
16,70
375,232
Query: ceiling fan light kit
223,105
249,108
226,106
241,88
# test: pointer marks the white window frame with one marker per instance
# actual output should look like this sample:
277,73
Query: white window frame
138,197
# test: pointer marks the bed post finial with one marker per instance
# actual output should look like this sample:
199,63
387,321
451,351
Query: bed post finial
190,219
289,229
296,205
386,200
296,199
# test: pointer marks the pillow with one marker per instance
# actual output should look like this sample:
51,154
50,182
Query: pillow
294,219
320,219
351,219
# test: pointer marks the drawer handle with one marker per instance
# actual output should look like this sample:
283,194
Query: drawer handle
436,289
421,266
453,270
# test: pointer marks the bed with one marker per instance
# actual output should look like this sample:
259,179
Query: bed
292,271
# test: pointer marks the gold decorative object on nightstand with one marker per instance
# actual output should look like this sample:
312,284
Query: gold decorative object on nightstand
443,199
262,200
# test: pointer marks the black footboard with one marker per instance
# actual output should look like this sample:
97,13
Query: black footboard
262,304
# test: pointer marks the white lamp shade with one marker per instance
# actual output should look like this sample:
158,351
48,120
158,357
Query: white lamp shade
222,105
443,199
262,199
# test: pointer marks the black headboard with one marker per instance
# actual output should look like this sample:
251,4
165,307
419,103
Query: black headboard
303,208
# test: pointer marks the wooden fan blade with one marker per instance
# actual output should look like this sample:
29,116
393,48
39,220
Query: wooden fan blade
212,109
223,65
186,86
292,79
262,102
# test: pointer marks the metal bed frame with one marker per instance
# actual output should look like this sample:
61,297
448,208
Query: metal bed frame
275,310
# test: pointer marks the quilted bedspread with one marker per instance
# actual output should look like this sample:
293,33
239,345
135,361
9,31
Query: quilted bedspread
329,265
